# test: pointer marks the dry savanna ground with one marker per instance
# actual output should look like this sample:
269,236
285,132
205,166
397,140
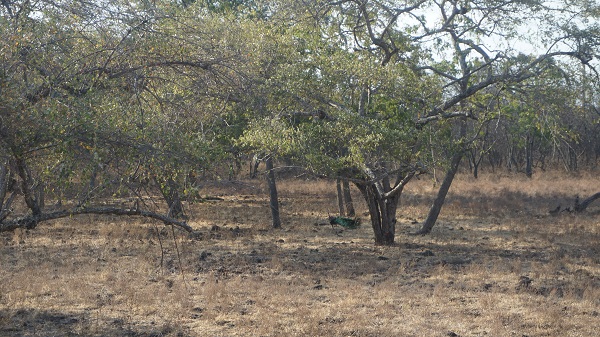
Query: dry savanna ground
496,264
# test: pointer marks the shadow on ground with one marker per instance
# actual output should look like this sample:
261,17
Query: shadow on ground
34,323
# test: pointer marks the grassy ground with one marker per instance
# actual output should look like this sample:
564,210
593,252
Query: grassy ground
496,264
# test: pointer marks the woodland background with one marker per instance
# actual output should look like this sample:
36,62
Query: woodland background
168,168
141,98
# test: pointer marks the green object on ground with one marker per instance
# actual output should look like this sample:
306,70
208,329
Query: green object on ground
344,222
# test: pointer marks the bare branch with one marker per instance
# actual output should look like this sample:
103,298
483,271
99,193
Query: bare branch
400,185
32,221
6,4
421,122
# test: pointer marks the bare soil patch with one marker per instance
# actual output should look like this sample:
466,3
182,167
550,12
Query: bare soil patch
496,264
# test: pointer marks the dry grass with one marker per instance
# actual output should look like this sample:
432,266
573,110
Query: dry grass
121,277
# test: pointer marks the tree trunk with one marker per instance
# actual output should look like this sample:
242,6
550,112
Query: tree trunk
174,200
573,165
340,197
32,191
93,178
170,192
363,101
344,198
348,198
495,160
4,180
511,162
474,162
382,212
529,156
435,209
542,160
254,166
274,201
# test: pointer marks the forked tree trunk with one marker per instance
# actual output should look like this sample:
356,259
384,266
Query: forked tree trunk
33,192
382,212
274,200
475,161
382,200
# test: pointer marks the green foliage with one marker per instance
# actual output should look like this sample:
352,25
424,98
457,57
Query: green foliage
107,100
162,89
308,110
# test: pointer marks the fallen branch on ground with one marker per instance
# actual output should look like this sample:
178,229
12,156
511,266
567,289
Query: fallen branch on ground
580,206
31,221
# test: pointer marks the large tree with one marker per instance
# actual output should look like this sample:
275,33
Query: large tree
376,75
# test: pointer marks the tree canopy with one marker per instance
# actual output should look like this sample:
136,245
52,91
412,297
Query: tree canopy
97,98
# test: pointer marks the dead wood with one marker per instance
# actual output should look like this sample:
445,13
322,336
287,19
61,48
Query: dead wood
31,221
555,211
580,206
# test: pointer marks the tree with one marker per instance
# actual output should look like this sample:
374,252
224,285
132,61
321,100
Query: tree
473,59
103,104
274,200
143,94
380,73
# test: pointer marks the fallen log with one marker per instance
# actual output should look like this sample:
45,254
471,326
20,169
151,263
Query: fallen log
31,221
580,206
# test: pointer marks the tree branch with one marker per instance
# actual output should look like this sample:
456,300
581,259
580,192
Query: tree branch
400,185
421,122
318,114
580,206
32,221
